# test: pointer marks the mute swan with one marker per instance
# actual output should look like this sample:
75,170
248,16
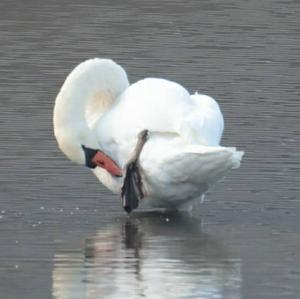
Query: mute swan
151,139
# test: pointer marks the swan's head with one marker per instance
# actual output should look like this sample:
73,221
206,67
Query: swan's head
82,149
87,93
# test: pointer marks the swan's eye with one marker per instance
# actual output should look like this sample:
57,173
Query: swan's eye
89,155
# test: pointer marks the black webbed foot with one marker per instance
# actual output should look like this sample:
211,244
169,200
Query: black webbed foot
132,192
132,188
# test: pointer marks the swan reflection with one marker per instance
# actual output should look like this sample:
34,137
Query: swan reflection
152,256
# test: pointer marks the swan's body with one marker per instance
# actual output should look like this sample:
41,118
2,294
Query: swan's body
96,107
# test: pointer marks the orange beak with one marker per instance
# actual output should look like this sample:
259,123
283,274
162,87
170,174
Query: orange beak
104,161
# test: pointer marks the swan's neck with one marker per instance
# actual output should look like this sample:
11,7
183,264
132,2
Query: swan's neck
89,90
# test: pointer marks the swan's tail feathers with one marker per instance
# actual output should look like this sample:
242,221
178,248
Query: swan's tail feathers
215,163
202,164
236,157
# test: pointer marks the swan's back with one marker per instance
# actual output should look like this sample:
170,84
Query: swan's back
163,106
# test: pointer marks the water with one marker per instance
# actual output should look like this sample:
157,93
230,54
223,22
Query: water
151,256
64,236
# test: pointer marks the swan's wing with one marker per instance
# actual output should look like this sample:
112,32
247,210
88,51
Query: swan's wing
177,171
204,124
159,106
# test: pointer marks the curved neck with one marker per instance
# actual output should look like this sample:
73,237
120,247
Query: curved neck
89,90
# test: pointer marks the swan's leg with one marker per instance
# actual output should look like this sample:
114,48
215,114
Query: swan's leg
132,191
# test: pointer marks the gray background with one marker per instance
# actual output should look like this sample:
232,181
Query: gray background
245,54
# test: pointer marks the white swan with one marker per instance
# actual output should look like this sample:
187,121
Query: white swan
97,120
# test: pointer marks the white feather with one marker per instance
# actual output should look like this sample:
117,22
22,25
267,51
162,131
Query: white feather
182,158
